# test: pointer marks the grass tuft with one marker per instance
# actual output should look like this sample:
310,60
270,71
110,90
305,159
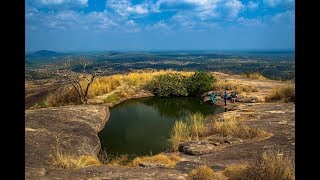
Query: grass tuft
271,165
284,93
205,173
180,133
255,75
66,161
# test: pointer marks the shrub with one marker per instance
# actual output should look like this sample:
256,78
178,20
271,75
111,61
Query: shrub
43,104
205,173
180,133
200,82
168,85
284,93
167,160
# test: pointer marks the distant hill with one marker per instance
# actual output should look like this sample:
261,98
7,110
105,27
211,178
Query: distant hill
43,53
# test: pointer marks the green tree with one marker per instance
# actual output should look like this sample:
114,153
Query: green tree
199,83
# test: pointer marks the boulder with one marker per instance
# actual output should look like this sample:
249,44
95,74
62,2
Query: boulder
197,147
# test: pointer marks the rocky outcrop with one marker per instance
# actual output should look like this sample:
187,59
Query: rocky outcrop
73,128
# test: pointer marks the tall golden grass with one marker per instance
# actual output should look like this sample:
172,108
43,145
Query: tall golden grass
284,93
67,161
180,133
106,84
197,125
193,128
230,126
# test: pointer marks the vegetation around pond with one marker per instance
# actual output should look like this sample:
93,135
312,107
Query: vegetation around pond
168,85
198,126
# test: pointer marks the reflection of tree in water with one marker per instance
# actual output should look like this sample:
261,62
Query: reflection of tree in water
173,107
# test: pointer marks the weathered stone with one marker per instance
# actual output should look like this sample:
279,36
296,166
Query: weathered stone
197,148
147,164
73,128
187,166
233,140
216,139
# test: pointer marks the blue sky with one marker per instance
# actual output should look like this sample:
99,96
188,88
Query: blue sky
86,25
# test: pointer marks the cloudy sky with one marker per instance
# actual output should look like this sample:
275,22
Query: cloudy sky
85,25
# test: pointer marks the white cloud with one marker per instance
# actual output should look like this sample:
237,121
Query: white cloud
234,6
250,22
252,5
125,8
67,3
287,17
207,9
274,3
69,19
158,26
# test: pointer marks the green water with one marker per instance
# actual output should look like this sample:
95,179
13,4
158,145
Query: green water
143,126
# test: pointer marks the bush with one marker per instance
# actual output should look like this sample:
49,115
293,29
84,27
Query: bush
43,104
199,83
179,85
284,93
168,85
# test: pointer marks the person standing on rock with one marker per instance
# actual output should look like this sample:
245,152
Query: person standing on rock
225,98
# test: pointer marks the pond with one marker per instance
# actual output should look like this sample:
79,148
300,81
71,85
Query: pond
142,126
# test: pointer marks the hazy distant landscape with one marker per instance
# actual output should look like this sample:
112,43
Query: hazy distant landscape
272,64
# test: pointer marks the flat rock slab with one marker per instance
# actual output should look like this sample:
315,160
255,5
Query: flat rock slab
197,147
209,145
73,128
187,166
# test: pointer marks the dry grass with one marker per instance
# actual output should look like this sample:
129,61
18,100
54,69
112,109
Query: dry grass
167,160
235,171
66,161
234,85
106,84
180,133
122,160
197,125
193,128
255,75
271,165
205,173
229,126
284,93
112,98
